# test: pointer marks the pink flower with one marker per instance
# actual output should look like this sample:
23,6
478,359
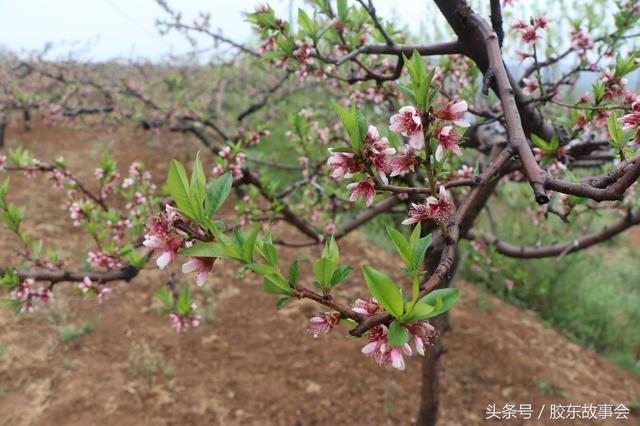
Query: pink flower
421,334
24,290
446,141
202,265
417,213
366,308
437,209
530,84
323,323
261,8
162,240
408,123
3,160
363,189
541,22
86,285
342,165
43,295
523,55
379,350
103,293
529,35
518,25
379,152
104,260
632,121
404,162
181,323
454,111
330,228
465,172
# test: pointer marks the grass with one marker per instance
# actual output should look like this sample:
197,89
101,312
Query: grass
549,389
592,296
145,363
71,332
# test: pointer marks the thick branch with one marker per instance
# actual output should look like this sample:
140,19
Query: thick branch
532,252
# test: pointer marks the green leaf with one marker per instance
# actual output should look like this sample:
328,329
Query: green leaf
294,273
418,68
402,247
540,143
183,305
398,335
13,304
442,300
202,249
275,284
249,243
384,290
165,297
343,10
420,311
407,92
10,277
615,131
422,92
331,250
261,269
410,68
420,250
340,274
281,302
218,192
323,269
270,254
349,119
178,187
306,23
198,181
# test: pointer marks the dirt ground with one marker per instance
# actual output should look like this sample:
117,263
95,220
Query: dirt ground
120,363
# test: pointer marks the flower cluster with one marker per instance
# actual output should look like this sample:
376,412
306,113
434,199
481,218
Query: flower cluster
421,333
434,208
631,121
104,260
181,323
408,122
88,288
233,162
162,239
529,31
27,294
323,323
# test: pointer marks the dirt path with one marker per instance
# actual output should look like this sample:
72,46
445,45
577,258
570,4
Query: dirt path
249,364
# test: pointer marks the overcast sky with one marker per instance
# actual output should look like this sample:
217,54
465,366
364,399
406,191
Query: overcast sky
126,28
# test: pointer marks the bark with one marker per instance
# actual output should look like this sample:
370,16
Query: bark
431,368
3,127
26,116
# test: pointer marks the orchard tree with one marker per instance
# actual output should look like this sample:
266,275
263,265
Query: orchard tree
431,132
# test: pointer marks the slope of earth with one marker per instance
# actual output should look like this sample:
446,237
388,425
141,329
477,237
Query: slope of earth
80,363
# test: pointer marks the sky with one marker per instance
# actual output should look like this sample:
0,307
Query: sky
109,29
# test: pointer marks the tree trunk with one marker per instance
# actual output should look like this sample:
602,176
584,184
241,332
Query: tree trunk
3,127
26,116
431,372
431,369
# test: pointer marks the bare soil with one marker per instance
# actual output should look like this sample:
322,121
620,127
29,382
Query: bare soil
248,364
